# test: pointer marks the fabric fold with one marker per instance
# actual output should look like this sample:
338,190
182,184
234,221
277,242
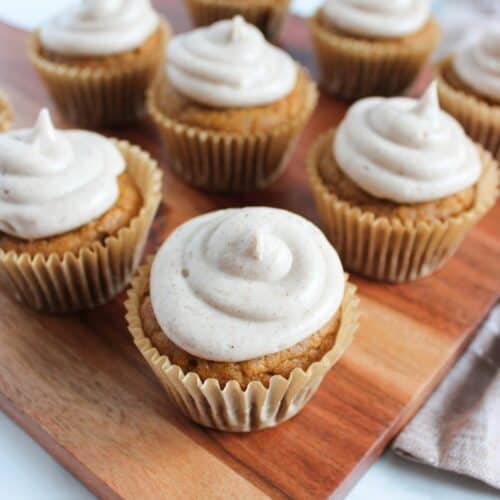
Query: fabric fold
458,428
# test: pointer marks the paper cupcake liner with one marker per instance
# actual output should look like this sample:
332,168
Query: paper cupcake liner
353,68
388,249
98,272
267,15
228,163
480,120
231,408
102,96
5,113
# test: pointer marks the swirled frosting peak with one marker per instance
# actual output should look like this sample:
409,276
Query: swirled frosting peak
99,27
238,284
53,181
229,64
478,65
405,150
378,18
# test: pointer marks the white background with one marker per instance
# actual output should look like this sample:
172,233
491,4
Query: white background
28,472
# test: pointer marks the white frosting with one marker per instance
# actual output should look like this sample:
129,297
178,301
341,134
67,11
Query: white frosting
478,65
405,150
53,181
378,18
237,284
100,27
229,64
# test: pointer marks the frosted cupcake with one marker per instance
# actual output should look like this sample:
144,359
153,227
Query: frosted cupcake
398,184
98,57
75,210
267,15
469,89
241,314
230,106
373,47
5,113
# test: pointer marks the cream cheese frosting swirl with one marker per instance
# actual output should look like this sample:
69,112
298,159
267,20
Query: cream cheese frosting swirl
229,64
478,65
238,284
378,18
405,150
53,181
99,27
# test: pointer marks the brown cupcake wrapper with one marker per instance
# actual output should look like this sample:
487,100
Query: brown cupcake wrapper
228,163
480,120
353,68
98,272
98,97
388,249
5,113
232,408
267,15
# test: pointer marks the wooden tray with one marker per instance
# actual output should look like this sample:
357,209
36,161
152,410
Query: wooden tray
79,387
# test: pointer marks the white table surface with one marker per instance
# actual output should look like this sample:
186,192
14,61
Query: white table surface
28,472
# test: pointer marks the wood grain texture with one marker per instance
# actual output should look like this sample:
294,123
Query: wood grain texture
78,385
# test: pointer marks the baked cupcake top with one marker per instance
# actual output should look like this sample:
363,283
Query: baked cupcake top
53,181
405,150
478,65
237,284
377,18
229,64
99,27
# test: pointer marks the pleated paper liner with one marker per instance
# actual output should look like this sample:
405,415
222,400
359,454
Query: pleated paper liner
351,68
480,120
95,97
5,113
267,15
231,408
224,162
99,271
388,249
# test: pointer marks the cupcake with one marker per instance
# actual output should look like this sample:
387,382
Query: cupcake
5,113
267,15
97,59
372,48
469,89
75,210
241,314
230,106
398,184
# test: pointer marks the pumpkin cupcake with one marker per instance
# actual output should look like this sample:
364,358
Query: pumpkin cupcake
372,48
267,15
398,184
230,106
241,314
5,113
75,210
469,89
98,58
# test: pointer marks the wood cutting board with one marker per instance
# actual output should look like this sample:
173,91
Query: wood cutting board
79,387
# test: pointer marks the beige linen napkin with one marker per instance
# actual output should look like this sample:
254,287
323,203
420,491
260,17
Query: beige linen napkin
458,428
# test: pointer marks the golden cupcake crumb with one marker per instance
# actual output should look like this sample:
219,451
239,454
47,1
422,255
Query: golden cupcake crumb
428,31
301,355
346,190
267,15
118,216
451,77
353,66
150,48
258,119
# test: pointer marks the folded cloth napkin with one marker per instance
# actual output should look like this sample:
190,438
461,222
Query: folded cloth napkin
458,428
